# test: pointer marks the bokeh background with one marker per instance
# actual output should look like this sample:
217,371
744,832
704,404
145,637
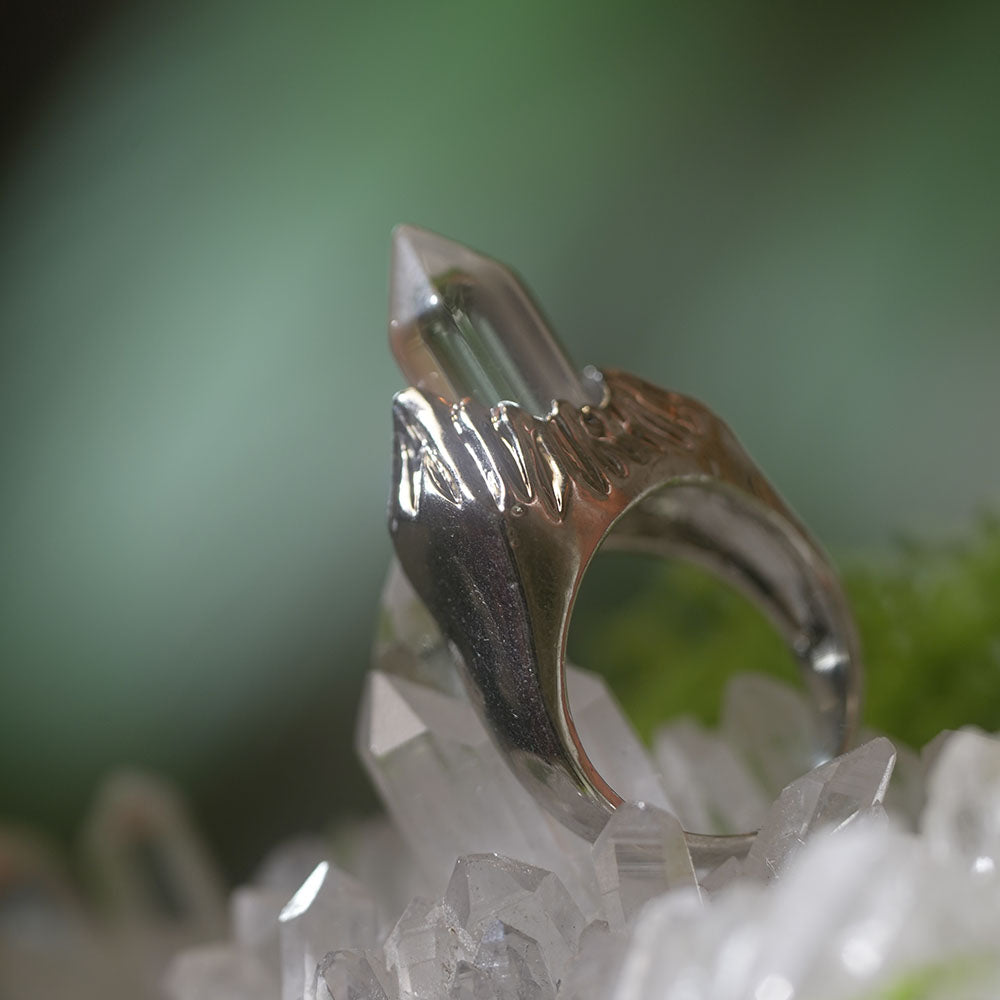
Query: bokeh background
790,210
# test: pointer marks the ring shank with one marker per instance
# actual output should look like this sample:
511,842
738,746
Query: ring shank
497,514
778,568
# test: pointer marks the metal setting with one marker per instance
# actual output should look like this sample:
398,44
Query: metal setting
496,514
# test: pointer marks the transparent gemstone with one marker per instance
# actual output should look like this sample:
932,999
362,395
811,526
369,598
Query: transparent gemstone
348,975
641,853
593,934
254,909
486,888
467,984
961,820
721,877
330,911
854,882
289,864
906,794
426,948
376,855
860,913
448,790
710,788
461,324
611,740
596,971
864,913
149,863
254,916
828,797
218,972
931,750
665,953
462,814
772,727
509,966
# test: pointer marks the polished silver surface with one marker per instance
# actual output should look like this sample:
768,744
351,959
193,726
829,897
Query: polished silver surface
496,514
511,469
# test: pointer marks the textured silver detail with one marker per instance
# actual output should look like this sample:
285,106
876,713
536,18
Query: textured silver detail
496,514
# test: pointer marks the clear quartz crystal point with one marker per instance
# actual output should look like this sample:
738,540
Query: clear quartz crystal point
373,851
640,854
710,787
722,876
447,789
288,865
329,911
495,897
253,914
863,913
348,975
461,324
217,972
426,950
254,909
509,966
772,727
596,972
613,744
828,797
907,792
860,914
442,779
150,863
961,821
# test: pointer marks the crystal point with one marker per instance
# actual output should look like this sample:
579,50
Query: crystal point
461,324
426,949
330,911
217,972
772,727
961,820
348,975
710,787
149,859
254,915
289,864
448,790
487,890
722,876
614,747
509,966
641,853
828,797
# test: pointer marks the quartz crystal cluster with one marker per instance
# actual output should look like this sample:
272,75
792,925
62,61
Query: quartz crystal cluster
874,874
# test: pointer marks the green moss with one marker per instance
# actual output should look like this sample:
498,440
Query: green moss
668,636
940,980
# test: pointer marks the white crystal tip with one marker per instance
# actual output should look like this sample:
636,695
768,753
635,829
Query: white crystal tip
461,324
418,258
420,240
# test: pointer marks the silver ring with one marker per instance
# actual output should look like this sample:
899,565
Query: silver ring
498,507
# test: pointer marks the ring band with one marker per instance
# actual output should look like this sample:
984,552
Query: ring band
496,513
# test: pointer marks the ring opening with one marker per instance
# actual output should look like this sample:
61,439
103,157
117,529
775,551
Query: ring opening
660,631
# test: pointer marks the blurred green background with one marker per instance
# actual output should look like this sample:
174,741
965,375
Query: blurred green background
789,210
